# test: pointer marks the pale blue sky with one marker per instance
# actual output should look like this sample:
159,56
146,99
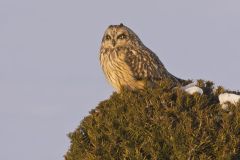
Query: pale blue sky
50,77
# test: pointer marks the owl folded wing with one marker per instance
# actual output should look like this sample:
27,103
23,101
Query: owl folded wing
144,64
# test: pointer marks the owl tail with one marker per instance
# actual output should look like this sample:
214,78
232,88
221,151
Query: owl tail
182,82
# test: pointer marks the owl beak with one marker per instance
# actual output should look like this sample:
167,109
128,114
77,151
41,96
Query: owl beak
113,43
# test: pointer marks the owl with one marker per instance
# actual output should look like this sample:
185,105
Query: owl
127,63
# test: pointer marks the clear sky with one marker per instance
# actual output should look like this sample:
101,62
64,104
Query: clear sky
50,77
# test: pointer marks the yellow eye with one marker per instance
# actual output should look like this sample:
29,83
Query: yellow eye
108,37
122,36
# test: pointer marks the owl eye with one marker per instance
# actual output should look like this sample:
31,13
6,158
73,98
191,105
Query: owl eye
122,36
108,37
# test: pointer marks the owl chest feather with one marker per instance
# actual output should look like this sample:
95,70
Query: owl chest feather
116,69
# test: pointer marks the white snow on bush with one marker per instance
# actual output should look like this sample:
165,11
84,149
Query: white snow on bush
193,84
223,98
228,97
192,88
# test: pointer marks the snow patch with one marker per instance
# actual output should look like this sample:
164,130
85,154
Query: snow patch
192,88
228,97
193,84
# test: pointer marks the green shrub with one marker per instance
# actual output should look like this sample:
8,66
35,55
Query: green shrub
158,124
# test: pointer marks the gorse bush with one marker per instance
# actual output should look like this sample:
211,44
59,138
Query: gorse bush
159,124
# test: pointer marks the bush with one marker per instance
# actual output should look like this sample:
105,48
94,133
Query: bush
158,124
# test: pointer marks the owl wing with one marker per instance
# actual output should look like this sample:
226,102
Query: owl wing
144,64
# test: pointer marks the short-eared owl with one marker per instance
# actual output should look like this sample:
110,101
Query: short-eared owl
128,63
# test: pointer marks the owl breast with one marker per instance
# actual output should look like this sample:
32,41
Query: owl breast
117,71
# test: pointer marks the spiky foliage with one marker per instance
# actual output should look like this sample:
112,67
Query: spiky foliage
158,124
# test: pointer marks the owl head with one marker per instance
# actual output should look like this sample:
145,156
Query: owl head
119,36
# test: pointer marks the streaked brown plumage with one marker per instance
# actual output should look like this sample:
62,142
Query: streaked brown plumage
127,63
